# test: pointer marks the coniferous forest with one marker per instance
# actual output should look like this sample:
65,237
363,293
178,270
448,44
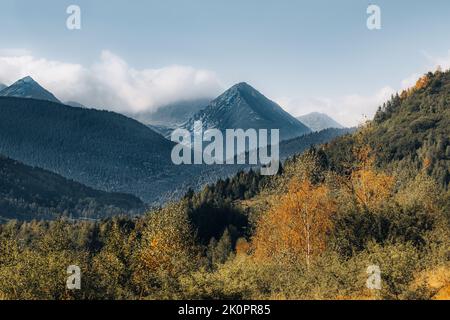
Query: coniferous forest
378,196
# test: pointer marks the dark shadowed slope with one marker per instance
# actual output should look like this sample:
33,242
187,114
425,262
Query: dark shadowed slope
32,193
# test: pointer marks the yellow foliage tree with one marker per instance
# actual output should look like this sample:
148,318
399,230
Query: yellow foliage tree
297,227
371,188
167,249
368,187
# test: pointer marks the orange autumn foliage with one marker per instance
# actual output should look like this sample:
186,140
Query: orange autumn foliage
242,247
167,242
422,82
371,188
368,186
297,227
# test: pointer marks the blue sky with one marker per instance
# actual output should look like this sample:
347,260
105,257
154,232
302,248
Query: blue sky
306,55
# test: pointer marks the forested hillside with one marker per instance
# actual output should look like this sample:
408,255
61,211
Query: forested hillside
376,197
409,131
414,127
28,193
101,149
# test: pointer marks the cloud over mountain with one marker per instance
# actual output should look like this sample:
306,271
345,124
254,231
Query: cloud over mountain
110,82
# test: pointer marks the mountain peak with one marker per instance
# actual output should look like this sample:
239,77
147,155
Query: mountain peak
241,91
244,107
27,87
242,87
27,79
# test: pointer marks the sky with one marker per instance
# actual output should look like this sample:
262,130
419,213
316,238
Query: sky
135,56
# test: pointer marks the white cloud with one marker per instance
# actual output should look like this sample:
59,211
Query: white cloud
433,63
410,81
349,110
111,83
14,52
438,61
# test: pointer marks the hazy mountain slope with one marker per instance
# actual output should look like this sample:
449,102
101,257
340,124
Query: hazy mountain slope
33,193
165,131
173,114
74,104
2,86
317,121
28,88
243,107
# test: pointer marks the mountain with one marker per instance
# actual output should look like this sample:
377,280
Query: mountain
28,88
2,86
111,152
101,149
317,121
31,193
243,107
